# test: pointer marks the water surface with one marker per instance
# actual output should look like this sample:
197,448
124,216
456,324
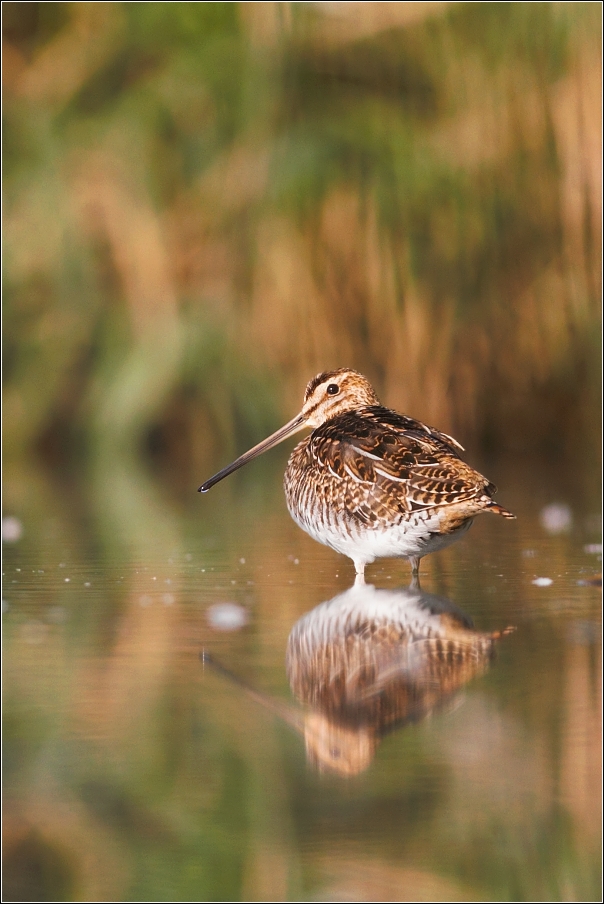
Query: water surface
284,768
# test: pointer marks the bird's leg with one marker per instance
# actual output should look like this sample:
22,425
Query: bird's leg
359,567
414,564
414,585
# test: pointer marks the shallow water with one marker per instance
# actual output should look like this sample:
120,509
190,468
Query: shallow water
337,743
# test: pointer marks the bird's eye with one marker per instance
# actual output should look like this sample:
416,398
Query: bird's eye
333,389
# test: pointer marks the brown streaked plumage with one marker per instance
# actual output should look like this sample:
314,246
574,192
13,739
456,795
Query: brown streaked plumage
371,661
370,482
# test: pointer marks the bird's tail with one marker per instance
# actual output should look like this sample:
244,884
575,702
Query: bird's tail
499,510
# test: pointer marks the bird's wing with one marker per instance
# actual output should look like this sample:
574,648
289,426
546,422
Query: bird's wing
386,459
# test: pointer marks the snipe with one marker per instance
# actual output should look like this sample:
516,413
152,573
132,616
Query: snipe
370,482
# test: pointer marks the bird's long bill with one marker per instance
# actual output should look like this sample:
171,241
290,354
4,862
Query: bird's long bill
279,708
293,426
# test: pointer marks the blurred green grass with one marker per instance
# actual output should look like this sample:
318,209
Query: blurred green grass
204,205
207,203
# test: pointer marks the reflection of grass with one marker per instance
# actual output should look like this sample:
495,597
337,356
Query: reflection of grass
140,775
207,204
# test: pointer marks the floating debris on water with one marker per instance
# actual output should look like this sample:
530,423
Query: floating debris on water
543,582
593,549
529,553
596,581
556,518
227,616
12,529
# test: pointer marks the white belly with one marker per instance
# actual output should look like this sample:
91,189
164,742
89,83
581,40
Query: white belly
416,536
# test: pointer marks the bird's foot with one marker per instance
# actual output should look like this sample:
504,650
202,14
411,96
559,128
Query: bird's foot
359,567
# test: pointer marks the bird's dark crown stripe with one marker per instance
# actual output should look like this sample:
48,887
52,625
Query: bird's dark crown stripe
321,378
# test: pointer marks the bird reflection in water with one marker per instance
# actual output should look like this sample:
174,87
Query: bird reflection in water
370,661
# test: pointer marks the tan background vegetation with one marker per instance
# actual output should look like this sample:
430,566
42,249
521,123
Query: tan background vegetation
207,204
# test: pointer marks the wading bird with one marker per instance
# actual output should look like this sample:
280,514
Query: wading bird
369,482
